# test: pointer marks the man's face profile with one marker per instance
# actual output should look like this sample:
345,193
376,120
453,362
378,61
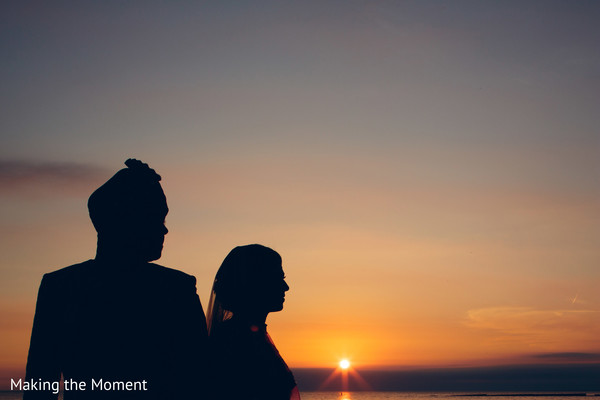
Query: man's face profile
149,230
143,229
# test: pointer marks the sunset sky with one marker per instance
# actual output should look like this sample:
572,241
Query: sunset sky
428,170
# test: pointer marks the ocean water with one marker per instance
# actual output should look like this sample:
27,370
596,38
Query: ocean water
444,396
7,395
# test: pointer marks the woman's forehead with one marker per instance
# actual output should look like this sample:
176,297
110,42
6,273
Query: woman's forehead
272,270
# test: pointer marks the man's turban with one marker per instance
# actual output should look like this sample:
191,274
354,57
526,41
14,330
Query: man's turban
126,196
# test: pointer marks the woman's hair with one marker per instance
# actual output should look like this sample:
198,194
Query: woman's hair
245,269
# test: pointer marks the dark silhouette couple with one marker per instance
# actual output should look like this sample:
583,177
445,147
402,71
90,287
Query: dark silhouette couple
121,327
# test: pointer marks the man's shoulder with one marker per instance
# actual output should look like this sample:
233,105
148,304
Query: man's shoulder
148,273
169,274
170,282
71,270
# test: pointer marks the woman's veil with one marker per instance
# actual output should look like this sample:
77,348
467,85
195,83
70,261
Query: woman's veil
216,313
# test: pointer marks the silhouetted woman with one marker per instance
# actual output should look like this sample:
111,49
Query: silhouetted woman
249,285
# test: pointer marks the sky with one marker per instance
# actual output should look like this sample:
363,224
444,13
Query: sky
428,170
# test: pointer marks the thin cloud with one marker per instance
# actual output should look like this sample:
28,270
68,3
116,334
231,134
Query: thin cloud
517,319
538,328
39,178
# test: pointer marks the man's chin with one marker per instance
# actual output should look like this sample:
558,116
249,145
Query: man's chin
153,256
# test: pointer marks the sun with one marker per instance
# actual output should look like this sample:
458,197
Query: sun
344,364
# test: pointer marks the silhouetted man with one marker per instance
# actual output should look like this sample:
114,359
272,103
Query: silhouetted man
122,326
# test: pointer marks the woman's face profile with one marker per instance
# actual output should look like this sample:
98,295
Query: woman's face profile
251,281
269,293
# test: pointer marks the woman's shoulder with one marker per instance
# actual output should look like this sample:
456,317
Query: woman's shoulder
237,333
